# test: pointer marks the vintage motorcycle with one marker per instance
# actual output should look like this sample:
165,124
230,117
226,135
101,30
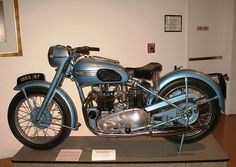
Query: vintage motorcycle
183,105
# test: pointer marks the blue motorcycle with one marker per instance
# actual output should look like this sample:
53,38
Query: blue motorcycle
183,105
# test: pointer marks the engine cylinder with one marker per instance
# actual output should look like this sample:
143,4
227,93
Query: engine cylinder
105,102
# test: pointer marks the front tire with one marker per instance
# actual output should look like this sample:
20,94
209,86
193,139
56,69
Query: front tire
45,133
206,114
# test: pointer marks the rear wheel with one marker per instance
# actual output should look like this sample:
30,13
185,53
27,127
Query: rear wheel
204,114
45,133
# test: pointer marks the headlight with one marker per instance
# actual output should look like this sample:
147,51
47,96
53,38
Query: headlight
57,55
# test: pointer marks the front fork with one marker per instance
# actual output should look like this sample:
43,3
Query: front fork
58,78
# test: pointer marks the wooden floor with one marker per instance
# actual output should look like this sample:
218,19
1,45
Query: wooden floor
225,134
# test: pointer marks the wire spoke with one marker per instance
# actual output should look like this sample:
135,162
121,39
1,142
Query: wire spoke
35,133
26,107
50,125
186,92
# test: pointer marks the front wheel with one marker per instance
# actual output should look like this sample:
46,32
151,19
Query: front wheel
45,133
205,114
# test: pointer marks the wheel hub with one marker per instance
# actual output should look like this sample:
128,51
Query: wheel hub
191,116
44,121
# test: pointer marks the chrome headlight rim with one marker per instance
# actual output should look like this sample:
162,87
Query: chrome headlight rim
51,57
56,55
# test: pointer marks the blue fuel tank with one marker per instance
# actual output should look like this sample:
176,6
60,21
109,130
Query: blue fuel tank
98,70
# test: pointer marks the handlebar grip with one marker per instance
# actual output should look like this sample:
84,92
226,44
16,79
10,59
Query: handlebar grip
94,49
86,49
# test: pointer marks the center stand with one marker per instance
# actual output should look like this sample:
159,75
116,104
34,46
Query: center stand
180,147
183,136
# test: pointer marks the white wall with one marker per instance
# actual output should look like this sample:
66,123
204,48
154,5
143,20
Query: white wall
121,28
206,43
217,41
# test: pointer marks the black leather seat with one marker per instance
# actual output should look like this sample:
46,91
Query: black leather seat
145,72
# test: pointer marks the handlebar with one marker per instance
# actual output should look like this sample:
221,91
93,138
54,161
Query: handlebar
85,49
80,51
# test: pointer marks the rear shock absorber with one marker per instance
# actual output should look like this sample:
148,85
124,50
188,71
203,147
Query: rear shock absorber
156,80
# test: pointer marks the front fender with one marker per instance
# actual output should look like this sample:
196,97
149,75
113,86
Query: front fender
179,74
59,91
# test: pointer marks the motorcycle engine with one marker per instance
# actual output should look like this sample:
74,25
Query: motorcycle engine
116,109
123,121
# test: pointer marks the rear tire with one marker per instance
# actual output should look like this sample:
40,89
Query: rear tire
207,114
45,134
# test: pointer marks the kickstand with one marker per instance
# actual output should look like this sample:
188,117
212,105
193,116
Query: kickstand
182,138
180,148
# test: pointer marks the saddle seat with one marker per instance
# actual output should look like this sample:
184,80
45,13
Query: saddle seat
146,71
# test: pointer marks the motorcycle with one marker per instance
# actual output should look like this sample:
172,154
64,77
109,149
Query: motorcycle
183,105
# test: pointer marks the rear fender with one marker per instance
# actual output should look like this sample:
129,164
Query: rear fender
183,73
59,91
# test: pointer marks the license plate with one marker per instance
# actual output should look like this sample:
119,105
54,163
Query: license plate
30,77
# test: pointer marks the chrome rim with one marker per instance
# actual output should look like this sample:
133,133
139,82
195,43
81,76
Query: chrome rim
44,130
198,116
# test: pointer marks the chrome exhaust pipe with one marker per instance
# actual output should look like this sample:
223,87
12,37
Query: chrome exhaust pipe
173,131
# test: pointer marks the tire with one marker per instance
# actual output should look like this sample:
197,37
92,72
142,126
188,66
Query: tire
205,114
45,134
